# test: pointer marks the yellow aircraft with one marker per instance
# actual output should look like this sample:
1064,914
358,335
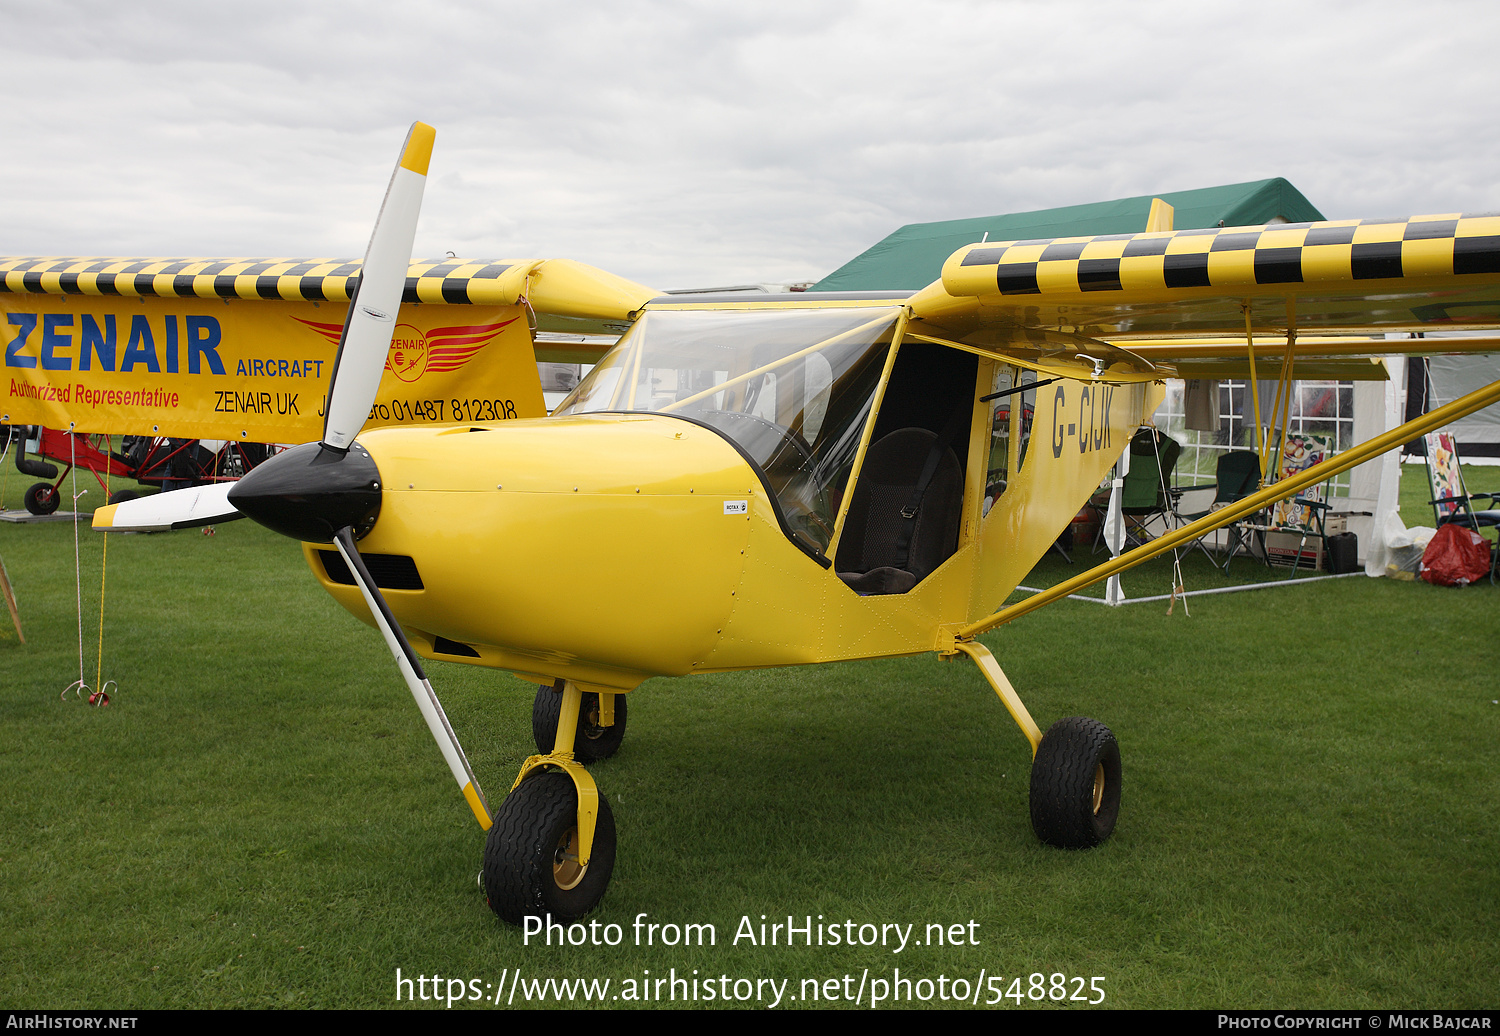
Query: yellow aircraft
781,480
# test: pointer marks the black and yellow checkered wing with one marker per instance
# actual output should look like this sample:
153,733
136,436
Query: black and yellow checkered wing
1347,275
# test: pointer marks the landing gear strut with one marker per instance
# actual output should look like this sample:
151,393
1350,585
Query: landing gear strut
551,844
599,732
1075,768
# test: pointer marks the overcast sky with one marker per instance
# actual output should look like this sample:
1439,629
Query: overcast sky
705,143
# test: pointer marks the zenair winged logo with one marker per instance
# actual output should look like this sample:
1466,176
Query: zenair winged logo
415,352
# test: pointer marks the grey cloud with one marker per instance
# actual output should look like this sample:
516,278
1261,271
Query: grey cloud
694,143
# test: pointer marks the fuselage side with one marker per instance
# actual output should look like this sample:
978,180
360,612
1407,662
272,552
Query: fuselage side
608,548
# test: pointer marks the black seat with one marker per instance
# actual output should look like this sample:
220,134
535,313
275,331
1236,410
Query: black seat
883,551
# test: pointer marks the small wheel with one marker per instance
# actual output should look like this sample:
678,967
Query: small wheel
1075,784
42,498
531,866
592,742
120,496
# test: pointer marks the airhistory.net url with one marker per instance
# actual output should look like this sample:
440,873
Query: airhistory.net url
861,990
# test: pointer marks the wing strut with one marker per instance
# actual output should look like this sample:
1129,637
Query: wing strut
1254,391
1461,407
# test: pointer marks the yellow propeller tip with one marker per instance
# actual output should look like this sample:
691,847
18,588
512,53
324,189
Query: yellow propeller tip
418,150
104,517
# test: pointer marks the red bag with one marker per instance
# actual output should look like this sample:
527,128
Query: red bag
1456,556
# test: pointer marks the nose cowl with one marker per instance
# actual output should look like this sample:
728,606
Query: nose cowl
311,492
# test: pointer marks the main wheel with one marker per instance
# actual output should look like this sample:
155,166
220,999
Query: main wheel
592,742
120,496
1075,784
42,498
531,866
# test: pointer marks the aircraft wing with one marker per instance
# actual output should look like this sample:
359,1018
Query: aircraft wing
1149,292
564,295
242,348
1302,300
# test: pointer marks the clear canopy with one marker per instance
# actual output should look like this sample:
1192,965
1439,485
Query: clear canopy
791,387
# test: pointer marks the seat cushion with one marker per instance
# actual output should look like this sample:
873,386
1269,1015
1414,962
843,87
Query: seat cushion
880,581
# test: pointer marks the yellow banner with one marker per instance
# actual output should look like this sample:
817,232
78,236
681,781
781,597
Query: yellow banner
251,370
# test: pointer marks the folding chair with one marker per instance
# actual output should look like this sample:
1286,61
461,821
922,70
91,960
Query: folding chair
1153,458
1236,476
1146,493
1451,500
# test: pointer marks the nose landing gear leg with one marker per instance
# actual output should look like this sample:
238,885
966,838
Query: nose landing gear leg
551,847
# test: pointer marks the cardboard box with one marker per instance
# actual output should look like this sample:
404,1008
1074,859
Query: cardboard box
1282,547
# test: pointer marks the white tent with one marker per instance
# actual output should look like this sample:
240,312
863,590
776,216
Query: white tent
1449,377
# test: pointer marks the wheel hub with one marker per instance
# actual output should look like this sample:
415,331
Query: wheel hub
1098,787
567,872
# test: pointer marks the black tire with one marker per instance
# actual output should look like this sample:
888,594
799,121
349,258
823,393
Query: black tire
592,742
42,498
1075,784
120,496
525,872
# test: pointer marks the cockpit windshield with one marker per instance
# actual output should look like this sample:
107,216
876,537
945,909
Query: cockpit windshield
791,387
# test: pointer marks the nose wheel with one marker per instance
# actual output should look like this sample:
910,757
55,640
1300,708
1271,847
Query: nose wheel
532,862
599,732
42,498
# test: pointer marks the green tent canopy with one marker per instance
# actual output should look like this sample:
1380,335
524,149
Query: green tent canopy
913,256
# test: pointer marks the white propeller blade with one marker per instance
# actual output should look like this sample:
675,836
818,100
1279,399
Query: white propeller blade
179,509
410,665
372,311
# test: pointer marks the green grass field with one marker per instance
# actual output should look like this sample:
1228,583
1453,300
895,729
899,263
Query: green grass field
261,820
